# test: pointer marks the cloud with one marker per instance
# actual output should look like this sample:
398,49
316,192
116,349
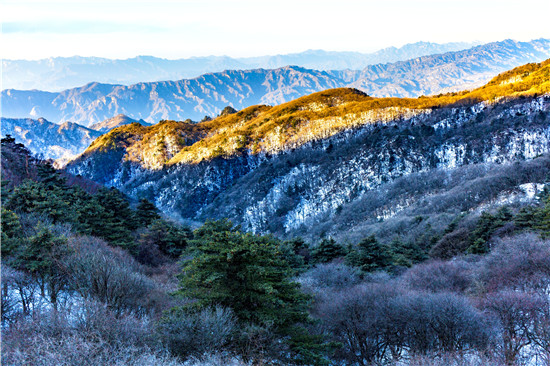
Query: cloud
77,26
184,28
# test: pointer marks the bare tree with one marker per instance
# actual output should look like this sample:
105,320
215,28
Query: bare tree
110,276
442,323
440,276
542,330
194,333
358,317
521,262
516,313
328,275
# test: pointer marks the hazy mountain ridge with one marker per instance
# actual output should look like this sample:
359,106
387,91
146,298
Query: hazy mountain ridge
59,73
48,139
179,100
290,184
446,72
210,93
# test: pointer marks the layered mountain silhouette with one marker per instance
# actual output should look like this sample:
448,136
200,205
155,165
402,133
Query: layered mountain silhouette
59,73
47,139
210,93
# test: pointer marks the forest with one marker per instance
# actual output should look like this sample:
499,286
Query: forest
90,276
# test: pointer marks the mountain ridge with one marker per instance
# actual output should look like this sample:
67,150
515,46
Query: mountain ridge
310,161
62,141
47,139
114,122
210,93
58,73
321,115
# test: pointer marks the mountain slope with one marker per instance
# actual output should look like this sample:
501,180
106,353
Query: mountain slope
194,98
114,122
210,93
51,140
61,73
447,72
269,130
310,161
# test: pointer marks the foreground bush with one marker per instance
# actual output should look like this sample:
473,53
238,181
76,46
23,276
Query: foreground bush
91,336
189,333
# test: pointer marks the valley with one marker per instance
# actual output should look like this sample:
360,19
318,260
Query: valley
397,215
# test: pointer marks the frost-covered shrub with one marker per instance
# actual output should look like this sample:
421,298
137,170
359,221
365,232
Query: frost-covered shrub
91,335
328,275
440,276
111,276
520,262
188,333
521,319
380,322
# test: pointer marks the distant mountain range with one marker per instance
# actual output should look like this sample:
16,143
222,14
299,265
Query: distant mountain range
47,139
210,93
53,141
59,73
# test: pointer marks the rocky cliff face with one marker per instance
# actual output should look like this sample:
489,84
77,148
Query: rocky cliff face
210,93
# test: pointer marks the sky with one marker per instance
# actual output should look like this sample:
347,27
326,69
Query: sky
35,29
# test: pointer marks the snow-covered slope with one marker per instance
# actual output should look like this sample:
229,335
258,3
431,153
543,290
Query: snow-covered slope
48,139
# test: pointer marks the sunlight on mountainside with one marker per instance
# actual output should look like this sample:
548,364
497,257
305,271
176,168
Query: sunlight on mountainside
264,129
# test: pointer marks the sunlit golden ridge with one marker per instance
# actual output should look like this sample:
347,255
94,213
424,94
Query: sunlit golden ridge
266,129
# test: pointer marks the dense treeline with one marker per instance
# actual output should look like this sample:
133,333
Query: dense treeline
106,214
89,277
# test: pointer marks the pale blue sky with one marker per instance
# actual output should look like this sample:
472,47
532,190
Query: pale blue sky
35,29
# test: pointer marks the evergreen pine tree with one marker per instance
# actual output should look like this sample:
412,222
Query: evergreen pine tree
146,212
526,217
327,250
5,190
370,255
42,256
171,239
91,219
486,225
11,233
120,220
49,176
406,253
541,219
36,197
296,253
248,274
